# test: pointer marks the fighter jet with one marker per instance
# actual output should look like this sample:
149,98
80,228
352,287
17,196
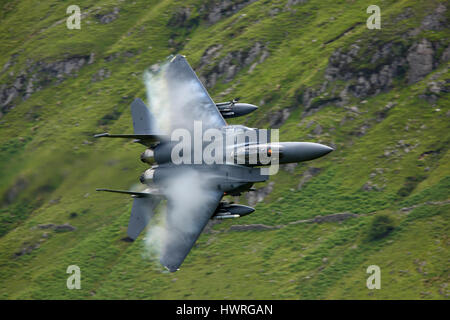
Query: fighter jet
180,105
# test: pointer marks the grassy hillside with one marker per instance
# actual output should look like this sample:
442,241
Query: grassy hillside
380,97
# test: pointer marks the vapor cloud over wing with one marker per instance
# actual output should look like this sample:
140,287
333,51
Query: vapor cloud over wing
178,98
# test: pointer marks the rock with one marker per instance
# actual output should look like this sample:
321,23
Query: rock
38,76
26,250
291,3
278,118
46,226
406,14
12,193
252,227
338,63
62,227
381,115
361,131
312,104
354,109
318,130
229,65
108,17
420,60
180,18
216,10
309,124
91,58
274,11
289,167
435,20
437,87
308,175
54,201
336,217
210,54
102,74
388,62
259,194
369,186
211,223
446,55
112,57
209,11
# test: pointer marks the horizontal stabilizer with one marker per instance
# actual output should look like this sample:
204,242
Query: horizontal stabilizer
145,139
132,193
141,213
144,205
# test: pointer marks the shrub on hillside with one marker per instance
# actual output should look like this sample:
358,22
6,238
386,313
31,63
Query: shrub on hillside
380,227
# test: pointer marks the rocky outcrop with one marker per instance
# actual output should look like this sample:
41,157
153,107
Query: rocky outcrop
365,75
434,203
259,194
12,193
108,17
387,63
314,99
210,54
446,55
436,20
420,60
184,19
38,76
213,11
308,175
181,18
102,74
329,218
210,11
9,63
229,65
252,227
27,249
370,186
335,217
279,117
124,54
370,68
289,167
57,227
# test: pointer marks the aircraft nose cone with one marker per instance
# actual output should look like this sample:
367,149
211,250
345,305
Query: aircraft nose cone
249,107
244,108
321,150
302,151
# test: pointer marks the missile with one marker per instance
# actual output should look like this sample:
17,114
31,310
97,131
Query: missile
232,109
301,151
287,152
230,211
223,217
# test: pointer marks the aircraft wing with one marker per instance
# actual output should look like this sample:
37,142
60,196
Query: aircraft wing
184,224
141,213
178,98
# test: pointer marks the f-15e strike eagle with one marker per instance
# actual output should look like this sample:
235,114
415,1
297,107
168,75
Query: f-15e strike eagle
180,105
